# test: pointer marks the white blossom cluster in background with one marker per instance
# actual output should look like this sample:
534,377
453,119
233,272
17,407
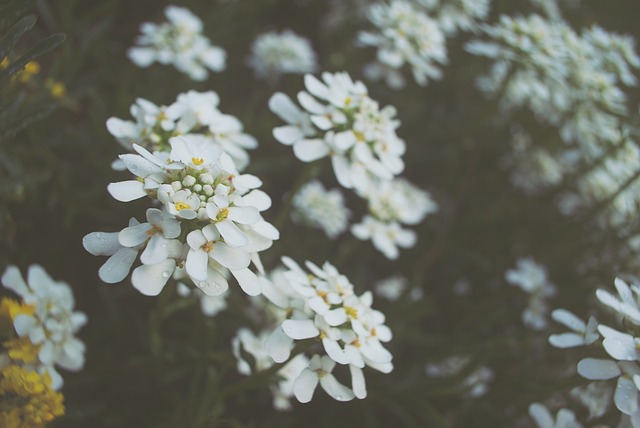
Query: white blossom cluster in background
415,33
318,304
531,278
619,369
208,224
179,42
404,35
317,207
273,54
475,384
573,82
45,319
457,15
195,114
342,122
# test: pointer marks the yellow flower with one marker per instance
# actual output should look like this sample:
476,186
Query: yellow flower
21,349
9,310
27,399
31,69
56,89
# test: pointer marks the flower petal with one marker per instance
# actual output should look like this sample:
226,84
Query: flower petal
300,329
305,385
126,191
117,267
151,279
598,369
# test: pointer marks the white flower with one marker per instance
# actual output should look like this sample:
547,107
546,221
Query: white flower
406,35
323,306
319,370
53,324
584,333
386,237
118,265
320,208
348,126
532,279
202,194
543,418
179,42
399,200
454,15
195,117
391,288
627,304
273,54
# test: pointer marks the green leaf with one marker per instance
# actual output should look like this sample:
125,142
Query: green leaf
40,48
12,129
13,11
9,109
17,31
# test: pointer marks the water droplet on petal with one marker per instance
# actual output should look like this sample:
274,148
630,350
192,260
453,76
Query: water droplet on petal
98,235
165,274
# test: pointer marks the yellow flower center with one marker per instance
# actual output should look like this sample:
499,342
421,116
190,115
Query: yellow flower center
222,215
181,206
197,161
351,312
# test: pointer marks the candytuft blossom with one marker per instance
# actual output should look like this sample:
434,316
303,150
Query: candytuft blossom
179,42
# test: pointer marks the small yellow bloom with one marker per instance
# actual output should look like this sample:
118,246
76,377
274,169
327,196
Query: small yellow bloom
34,402
21,349
31,69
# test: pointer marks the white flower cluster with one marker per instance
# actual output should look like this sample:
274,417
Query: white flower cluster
208,224
193,113
567,80
342,327
404,35
532,279
476,383
179,42
51,323
613,179
342,122
620,344
392,204
457,15
273,54
320,208
572,82
282,390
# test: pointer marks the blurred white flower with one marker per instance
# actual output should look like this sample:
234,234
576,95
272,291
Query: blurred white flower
391,288
53,324
405,35
317,207
455,15
385,236
179,42
273,54
543,418
532,279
